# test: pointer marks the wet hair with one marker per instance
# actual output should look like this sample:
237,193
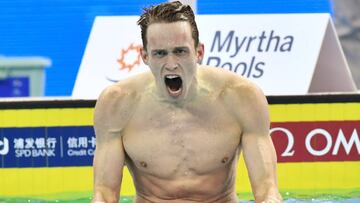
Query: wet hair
168,13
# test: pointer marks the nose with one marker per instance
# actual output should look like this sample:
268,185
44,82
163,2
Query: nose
171,63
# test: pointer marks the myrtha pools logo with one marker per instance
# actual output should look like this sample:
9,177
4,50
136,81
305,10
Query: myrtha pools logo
129,59
131,50
4,146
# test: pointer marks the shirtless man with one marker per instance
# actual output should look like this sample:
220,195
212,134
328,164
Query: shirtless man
181,127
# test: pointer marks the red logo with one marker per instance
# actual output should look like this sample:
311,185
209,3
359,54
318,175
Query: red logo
316,141
123,61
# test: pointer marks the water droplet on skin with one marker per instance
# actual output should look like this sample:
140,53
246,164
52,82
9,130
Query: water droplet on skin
172,117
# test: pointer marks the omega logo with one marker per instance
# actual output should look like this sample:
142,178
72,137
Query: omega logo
331,143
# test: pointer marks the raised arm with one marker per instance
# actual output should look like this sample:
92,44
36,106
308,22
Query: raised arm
258,149
109,158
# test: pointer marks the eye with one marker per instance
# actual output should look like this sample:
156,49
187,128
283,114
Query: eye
159,53
181,51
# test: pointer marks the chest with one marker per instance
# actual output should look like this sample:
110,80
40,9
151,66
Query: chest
183,139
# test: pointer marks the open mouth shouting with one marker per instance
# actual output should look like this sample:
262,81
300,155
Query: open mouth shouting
173,84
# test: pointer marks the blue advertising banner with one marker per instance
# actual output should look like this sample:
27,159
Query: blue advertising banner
47,146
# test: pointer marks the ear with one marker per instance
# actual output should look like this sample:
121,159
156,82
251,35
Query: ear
200,50
144,55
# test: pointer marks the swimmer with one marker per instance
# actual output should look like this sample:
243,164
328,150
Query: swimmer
180,128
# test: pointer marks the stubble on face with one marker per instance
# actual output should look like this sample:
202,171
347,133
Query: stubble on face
172,58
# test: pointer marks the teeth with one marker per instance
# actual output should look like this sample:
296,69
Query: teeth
171,76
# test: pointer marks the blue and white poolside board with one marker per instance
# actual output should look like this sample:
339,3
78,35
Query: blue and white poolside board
285,54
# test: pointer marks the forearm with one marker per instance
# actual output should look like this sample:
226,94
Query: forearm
108,171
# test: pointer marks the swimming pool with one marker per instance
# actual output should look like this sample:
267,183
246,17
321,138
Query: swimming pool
320,199
349,196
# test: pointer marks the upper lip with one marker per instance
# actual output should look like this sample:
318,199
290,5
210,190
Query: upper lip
172,75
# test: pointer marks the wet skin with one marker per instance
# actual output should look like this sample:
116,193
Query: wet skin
183,145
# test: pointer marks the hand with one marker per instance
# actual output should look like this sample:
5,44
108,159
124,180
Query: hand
271,200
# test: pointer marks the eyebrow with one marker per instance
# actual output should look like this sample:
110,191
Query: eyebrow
181,48
165,50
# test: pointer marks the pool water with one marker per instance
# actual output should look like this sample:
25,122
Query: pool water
353,200
130,199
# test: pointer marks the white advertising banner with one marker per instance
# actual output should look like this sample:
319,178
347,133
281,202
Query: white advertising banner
285,54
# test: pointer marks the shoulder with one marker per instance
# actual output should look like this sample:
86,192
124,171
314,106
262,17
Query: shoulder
252,109
216,79
120,98
235,86
232,84
125,89
247,91
242,97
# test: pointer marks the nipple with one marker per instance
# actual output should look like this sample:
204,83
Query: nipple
224,160
143,164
